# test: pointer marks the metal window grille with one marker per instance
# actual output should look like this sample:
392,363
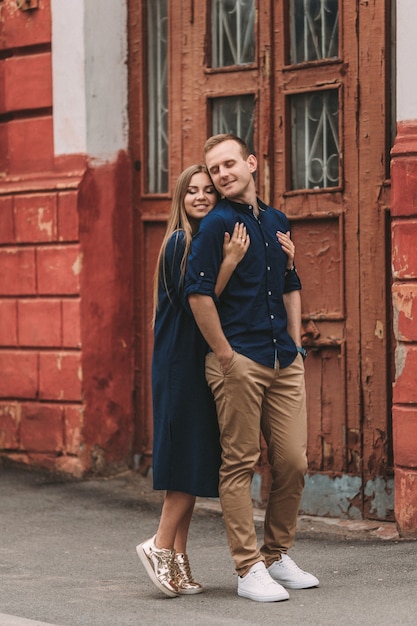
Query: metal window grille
314,29
233,32
315,140
157,87
234,114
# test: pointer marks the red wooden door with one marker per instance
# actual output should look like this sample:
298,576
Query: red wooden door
306,84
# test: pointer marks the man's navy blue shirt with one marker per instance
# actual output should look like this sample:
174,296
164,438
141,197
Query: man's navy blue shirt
251,307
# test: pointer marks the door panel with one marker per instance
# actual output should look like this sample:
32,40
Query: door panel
324,216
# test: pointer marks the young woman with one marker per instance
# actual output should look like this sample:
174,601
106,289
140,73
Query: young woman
186,449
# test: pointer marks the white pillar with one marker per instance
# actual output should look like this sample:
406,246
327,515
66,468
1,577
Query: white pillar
406,60
89,74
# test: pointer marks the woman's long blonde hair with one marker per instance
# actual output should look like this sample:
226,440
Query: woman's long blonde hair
178,221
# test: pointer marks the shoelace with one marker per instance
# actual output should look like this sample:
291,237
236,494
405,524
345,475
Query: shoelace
262,577
184,570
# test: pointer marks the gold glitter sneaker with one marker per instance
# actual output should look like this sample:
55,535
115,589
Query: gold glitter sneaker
159,565
183,577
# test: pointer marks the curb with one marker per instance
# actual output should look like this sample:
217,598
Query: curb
310,526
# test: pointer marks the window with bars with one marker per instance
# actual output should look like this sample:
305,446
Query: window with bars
314,26
157,99
232,32
315,153
233,44
234,114
315,140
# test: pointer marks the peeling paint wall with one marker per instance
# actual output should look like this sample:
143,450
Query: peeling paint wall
65,237
404,272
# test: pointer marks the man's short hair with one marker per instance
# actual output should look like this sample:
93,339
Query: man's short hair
215,140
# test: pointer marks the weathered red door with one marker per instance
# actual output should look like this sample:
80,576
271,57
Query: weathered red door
332,120
306,84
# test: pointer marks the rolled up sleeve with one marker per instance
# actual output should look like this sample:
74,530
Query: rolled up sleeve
292,281
205,258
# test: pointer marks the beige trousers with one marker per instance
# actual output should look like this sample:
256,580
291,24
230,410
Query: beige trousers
251,397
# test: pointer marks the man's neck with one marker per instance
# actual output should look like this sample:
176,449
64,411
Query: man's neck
250,201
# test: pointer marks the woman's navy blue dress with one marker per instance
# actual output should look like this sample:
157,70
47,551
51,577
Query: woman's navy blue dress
186,448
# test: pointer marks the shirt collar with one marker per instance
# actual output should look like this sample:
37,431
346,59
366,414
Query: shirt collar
248,208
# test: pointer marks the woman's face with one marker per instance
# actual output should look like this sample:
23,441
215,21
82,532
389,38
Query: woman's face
200,197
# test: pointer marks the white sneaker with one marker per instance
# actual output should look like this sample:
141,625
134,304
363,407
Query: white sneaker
258,585
286,572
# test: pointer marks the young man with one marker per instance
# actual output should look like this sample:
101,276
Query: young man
255,370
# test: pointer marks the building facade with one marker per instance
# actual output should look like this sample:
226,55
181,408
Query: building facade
102,104
404,269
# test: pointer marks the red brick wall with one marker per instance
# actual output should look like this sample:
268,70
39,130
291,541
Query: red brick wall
65,275
404,259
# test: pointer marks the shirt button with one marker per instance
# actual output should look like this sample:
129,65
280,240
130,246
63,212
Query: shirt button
269,293
266,243
272,317
268,268
201,273
275,340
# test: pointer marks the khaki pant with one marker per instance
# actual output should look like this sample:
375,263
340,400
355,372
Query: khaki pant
248,398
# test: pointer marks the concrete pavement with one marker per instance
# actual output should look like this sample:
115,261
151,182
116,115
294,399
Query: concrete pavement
67,558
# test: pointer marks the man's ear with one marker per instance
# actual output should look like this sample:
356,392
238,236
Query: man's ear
252,161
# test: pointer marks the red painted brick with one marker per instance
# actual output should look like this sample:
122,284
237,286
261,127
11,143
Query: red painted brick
40,323
60,376
17,275
2,94
6,220
71,323
35,218
75,164
4,145
405,388
30,145
404,249
404,426
68,216
19,374
8,323
42,428
404,185
45,460
25,28
404,297
73,421
9,425
406,502
70,465
59,270
27,82
19,457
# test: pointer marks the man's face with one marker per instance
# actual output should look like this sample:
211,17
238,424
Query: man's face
230,172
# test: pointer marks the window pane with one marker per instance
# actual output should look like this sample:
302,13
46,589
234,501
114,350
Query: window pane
157,87
315,140
314,29
233,32
234,114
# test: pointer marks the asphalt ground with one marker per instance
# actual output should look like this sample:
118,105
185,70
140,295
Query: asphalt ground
67,558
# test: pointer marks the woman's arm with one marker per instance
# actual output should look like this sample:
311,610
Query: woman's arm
234,249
